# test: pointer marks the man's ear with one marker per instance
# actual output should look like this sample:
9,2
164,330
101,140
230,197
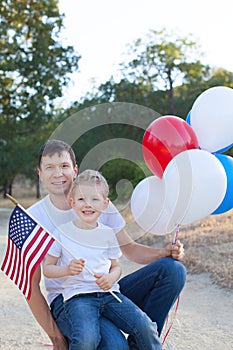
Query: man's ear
75,171
39,173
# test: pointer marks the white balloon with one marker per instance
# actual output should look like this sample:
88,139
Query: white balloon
211,118
147,206
195,183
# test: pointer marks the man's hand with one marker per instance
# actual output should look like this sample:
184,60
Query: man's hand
176,251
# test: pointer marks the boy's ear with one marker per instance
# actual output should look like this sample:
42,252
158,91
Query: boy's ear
106,202
71,202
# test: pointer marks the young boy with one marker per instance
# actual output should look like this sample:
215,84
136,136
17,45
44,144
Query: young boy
89,280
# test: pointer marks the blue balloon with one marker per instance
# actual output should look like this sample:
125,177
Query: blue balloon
227,203
188,121
224,149
188,118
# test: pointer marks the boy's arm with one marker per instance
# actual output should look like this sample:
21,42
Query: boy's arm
105,282
42,314
115,270
52,270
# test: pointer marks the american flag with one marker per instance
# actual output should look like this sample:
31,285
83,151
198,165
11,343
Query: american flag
27,245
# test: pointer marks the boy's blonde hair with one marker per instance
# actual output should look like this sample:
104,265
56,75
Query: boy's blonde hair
91,177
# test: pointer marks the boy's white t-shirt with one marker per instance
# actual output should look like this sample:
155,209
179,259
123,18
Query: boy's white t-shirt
51,218
96,246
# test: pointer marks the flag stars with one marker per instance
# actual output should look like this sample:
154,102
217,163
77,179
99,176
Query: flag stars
20,228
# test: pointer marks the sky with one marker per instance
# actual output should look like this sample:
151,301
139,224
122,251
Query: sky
100,30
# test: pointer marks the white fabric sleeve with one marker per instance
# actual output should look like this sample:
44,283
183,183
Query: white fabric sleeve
112,218
114,251
55,249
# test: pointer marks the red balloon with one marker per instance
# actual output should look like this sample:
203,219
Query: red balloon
166,137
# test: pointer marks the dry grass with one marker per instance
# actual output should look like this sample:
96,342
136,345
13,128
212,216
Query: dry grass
208,247
208,242
23,193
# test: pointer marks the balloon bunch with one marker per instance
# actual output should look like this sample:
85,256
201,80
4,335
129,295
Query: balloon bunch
192,179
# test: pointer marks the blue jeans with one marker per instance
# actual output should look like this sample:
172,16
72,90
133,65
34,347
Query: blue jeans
84,311
111,336
154,288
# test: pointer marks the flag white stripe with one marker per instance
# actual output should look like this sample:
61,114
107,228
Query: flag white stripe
16,264
20,270
23,270
36,258
26,274
13,247
12,255
8,256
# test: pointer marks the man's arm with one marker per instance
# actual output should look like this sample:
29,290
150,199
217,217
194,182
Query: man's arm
142,254
42,314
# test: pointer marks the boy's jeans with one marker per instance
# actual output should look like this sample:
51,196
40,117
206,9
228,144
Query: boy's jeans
84,310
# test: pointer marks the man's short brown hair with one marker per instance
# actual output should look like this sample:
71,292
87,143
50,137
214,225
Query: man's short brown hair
51,147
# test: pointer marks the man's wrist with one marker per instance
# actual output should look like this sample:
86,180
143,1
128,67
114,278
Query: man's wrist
59,342
165,252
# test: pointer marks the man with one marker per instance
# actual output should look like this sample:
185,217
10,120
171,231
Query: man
154,288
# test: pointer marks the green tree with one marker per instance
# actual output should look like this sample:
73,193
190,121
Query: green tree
34,68
161,61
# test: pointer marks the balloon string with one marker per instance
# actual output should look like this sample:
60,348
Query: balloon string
173,318
176,235
44,344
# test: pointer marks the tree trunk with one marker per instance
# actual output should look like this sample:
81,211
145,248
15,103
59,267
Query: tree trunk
38,188
7,189
170,94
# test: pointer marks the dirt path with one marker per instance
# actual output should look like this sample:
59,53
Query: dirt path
204,319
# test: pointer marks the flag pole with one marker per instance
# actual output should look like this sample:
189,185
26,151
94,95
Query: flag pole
12,199
57,240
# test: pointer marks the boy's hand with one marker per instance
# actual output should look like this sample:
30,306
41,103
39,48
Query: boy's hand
76,266
105,282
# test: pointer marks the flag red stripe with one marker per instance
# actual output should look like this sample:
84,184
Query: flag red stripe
24,256
19,264
32,255
31,269
36,265
6,255
11,257
14,264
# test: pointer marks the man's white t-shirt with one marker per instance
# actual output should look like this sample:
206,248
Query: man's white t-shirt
51,218
96,246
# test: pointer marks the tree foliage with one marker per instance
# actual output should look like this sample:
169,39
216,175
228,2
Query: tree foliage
34,67
162,61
